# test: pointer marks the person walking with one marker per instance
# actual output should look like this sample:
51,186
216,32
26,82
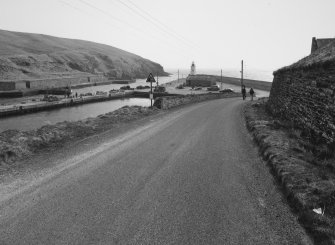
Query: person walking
252,93
244,92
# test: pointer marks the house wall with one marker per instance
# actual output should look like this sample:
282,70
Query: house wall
305,96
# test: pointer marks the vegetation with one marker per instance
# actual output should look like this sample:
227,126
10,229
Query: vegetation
33,56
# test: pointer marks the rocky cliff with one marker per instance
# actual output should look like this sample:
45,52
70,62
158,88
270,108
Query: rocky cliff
29,56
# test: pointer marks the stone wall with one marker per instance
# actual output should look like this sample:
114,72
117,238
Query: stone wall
305,96
50,82
173,101
7,86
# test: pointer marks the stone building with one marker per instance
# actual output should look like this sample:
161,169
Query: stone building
319,43
200,80
48,83
304,93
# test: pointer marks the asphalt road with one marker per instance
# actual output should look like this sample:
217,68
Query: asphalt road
190,177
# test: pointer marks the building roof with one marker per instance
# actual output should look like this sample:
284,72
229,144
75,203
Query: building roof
321,55
320,42
323,42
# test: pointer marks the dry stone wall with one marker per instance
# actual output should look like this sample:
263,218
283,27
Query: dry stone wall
174,101
305,96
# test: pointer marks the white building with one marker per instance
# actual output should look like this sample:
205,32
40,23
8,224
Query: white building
192,69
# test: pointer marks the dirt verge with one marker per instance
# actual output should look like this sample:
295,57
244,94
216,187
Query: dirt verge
308,182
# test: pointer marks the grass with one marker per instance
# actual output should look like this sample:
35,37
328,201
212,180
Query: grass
305,170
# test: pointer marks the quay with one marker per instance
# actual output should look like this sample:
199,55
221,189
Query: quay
12,89
35,106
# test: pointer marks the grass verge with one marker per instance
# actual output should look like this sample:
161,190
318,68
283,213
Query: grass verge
308,182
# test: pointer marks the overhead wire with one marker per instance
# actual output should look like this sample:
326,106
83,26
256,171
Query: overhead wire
159,27
166,27
131,26
84,12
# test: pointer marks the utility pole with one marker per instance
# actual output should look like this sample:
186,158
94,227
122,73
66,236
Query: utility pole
178,76
151,94
221,79
242,74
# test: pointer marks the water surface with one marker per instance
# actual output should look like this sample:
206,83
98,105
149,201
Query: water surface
75,113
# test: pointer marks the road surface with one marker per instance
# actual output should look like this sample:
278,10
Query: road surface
192,176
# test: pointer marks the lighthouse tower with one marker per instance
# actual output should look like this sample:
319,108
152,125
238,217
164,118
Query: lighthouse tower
192,69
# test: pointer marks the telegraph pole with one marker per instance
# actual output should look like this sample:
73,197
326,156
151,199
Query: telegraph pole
242,74
178,77
221,79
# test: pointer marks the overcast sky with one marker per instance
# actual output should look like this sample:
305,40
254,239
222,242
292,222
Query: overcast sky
267,34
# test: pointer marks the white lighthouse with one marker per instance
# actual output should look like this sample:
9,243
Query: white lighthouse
192,69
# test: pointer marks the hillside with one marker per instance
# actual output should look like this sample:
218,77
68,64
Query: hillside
29,56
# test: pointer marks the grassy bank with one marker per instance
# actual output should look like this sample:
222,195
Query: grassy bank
308,183
16,145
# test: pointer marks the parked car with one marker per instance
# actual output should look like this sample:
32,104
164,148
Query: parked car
213,88
126,88
112,91
101,93
227,90
160,89
198,88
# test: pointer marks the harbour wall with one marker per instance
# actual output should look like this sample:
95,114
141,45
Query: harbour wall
48,83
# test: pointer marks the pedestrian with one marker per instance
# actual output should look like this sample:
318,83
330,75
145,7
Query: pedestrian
252,93
244,92
76,95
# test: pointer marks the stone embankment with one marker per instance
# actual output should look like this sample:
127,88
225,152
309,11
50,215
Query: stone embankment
16,145
34,106
173,101
308,184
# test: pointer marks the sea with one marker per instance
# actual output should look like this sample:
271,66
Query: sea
254,74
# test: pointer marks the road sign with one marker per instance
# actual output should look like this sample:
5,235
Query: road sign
151,79
151,95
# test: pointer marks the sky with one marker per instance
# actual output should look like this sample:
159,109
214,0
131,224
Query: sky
266,34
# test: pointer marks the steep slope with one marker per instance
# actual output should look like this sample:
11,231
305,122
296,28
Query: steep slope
27,56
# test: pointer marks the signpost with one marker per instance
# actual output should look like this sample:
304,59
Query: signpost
151,80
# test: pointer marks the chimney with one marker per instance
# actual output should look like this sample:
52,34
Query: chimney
314,45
